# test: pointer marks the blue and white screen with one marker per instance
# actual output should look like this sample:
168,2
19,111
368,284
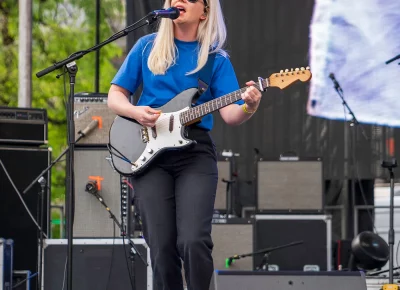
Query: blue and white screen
353,39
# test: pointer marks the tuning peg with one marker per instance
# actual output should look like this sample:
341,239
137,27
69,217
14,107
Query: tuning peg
281,71
303,69
297,69
308,68
286,70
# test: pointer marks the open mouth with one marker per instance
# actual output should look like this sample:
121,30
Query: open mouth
181,9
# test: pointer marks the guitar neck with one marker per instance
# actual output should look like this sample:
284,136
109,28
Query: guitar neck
200,111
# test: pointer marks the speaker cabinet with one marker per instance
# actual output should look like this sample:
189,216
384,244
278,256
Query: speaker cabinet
314,231
23,165
89,107
91,219
260,280
290,185
97,264
232,237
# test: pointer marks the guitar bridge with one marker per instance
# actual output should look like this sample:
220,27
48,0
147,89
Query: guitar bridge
144,132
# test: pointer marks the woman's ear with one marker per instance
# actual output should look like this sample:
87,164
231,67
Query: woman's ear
204,16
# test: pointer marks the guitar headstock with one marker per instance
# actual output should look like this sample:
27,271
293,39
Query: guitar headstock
285,78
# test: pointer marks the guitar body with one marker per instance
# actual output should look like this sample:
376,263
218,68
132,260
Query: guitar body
133,146
140,145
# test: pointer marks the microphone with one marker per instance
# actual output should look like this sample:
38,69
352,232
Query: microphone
89,128
171,13
228,262
91,187
335,82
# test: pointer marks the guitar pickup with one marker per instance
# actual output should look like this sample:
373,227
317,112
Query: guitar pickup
145,135
171,123
154,132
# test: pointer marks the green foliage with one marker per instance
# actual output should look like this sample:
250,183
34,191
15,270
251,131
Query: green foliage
60,28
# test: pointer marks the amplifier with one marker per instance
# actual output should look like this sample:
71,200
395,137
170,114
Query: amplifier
22,126
91,219
232,237
98,264
291,184
6,264
89,107
315,253
23,164
261,280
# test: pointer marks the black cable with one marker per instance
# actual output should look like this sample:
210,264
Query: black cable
20,197
354,161
65,272
127,263
363,195
112,258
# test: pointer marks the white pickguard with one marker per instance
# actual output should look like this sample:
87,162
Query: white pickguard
165,139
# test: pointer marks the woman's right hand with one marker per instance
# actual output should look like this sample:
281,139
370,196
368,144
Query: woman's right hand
145,115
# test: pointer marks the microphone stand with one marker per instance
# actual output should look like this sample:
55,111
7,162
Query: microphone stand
134,251
81,135
72,69
350,168
42,182
393,59
266,252
390,165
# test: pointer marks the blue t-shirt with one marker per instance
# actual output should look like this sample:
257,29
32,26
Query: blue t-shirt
160,89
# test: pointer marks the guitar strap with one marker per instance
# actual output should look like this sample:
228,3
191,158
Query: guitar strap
205,74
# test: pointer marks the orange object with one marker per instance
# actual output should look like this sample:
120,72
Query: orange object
98,179
390,287
390,146
100,119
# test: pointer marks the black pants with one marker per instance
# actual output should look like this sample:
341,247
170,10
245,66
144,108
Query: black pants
175,198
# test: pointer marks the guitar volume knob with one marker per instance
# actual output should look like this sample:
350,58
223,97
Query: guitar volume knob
150,151
142,158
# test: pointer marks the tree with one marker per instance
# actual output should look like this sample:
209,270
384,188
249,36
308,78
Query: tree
60,28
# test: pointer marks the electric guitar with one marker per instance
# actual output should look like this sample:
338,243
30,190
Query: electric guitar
133,146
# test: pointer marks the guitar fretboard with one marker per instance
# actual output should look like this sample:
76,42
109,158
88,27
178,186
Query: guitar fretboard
214,105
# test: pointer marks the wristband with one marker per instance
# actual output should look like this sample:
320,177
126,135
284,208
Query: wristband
244,107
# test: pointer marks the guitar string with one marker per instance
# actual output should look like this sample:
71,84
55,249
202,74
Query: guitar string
164,121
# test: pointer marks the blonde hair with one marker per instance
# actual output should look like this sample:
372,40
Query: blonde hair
211,34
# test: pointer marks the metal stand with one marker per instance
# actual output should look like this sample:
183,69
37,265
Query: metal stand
70,65
390,165
349,166
42,196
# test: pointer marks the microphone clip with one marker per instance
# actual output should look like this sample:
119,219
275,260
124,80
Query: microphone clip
92,187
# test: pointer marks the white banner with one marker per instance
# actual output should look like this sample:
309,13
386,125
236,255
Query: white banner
353,39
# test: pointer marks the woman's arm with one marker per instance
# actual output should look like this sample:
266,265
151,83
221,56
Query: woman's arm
237,114
118,102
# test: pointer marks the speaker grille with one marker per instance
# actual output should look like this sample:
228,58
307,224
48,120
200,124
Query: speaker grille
91,218
232,239
287,185
88,106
